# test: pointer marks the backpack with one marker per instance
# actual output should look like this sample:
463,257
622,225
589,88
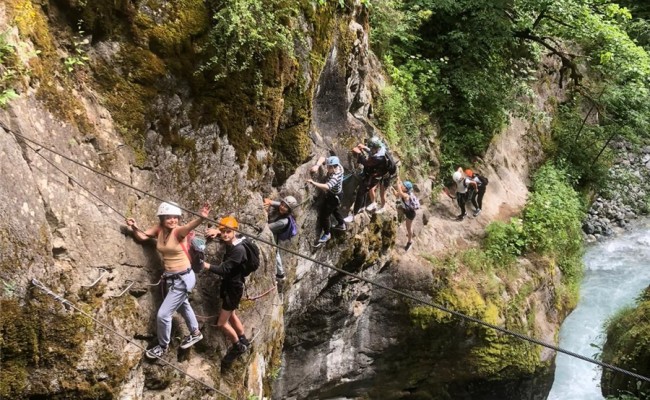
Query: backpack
410,206
484,180
252,262
414,202
391,166
290,231
194,248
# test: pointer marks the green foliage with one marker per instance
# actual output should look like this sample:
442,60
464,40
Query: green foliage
628,346
552,215
80,45
475,57
550,226
7,71
505,242
245,32
399,114
575,146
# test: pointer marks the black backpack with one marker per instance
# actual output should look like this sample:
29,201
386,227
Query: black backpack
194,248
391,166
484,180
252,262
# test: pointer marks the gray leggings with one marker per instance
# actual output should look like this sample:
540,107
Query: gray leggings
179,288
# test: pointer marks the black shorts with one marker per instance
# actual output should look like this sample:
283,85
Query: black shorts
386,180
409,213
231,296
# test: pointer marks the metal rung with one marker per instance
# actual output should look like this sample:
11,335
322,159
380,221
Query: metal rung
103,273
154,284
130,283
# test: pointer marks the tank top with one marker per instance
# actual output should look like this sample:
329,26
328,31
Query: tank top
174,257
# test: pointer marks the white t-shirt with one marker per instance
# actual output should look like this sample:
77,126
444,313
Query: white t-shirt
461,187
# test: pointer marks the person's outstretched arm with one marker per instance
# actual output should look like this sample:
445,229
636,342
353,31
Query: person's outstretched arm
139,234
184,230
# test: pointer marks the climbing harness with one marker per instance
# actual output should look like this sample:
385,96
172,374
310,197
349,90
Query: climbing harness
361,278
69,304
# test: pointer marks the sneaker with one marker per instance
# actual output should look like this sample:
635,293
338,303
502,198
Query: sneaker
190,339
325,237
235,351
244,340
460,217
408,246
340,227
477,212
279,277
371,207
380,210
349,218
155,352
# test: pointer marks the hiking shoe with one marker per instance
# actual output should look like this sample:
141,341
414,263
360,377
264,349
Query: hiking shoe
325,237
371,207
190,339
349,218
460,217
155,352
477,212
340,227
408,246
234,352
279,277
244,340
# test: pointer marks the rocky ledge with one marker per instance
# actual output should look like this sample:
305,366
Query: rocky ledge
626,197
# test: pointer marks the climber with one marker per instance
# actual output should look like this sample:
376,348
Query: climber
477,195
231,271
408,203
472,191
283,226
462,185
178,277
333,188
375,167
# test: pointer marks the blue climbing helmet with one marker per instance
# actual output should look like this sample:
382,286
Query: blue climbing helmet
333,161
408,185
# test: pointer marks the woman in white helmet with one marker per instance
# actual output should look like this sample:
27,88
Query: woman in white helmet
178,276
283,226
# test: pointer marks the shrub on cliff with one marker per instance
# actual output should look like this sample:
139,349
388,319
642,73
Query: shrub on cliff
628,347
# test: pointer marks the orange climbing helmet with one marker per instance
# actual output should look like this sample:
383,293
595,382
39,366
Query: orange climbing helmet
229,222
469,173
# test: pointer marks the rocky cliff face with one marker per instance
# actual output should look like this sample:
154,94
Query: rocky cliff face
133,115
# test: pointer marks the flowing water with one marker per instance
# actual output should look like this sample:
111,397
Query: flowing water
616,272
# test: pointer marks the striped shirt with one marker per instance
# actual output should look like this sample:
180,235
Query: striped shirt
335,180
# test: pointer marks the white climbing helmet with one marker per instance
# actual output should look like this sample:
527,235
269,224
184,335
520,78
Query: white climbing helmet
291,202
458,176
169,209
374,142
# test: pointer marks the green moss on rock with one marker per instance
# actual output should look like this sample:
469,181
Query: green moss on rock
628,347
170,26
39,336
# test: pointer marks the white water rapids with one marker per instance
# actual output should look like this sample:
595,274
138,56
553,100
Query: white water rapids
616,271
